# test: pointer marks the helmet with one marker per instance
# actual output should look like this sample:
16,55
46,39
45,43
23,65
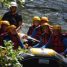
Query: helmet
12,26
5,22
46,24
36,18
13,4
45,19
57,27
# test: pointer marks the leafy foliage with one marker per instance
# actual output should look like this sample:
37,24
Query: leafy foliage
7,2
8,56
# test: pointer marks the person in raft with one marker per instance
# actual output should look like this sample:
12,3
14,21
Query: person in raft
45,37
3,32
13,16
58,41
13,34
38,30
35,23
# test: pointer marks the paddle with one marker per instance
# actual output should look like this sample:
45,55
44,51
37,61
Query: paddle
19,28
28,37
22,34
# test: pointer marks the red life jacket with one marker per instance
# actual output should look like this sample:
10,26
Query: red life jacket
15,39
39,33
45,38
57,43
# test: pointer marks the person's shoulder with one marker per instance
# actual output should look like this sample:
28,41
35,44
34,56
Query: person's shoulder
37,28
7,13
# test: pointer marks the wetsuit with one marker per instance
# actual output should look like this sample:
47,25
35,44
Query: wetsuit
13,19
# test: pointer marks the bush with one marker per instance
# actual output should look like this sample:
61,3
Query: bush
10,57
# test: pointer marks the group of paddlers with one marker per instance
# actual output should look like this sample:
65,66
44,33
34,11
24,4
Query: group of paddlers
44,34
50,36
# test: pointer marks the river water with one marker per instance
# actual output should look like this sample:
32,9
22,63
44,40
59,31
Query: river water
55,10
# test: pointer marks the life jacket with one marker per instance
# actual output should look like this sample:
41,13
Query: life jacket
16,40
45,38
31,30
37,33
57,43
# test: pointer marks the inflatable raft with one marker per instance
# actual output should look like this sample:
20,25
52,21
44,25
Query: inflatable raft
42,57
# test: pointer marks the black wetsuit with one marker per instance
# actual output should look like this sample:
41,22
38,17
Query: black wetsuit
13,19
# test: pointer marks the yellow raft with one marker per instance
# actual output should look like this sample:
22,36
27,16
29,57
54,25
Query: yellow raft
42,52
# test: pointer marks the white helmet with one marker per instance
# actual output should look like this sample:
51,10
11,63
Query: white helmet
13,4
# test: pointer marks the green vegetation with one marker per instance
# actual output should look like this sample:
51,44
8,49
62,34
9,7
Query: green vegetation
10,57
7,2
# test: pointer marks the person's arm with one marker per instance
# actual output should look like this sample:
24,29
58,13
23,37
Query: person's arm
20,23
20,27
